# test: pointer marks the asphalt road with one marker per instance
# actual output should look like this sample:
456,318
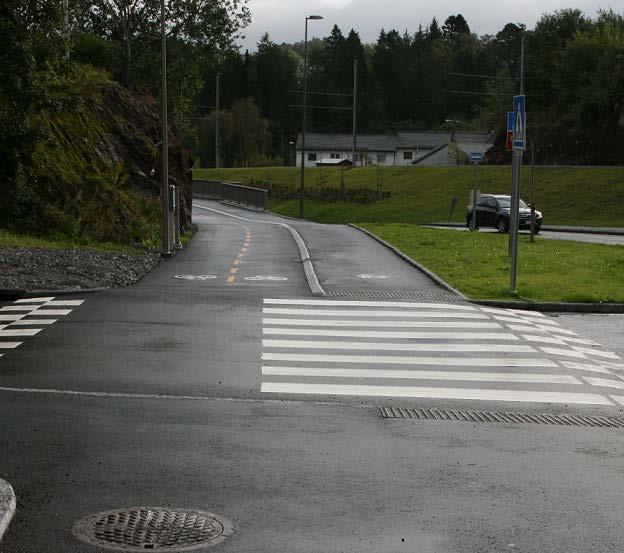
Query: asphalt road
552,235
164,394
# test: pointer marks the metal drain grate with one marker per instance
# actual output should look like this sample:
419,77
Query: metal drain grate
153,528
489,416
393,295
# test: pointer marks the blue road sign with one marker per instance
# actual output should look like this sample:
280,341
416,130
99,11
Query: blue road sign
476,156
519,123
511,118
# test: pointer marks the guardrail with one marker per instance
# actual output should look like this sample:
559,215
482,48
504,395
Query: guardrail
231,192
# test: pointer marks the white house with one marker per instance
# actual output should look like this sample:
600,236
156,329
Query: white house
402,148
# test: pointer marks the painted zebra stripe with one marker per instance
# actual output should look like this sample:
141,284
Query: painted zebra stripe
379,324
406,335
400,360
382,346
361,303
372,313
434,393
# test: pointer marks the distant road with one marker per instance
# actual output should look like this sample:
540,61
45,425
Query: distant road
557,235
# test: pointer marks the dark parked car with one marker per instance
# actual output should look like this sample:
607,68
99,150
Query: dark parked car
493,211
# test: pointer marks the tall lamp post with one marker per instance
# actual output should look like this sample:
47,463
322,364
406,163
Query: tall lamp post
166,236
305,101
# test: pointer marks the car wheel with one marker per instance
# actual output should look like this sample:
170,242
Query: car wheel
469,224
502,225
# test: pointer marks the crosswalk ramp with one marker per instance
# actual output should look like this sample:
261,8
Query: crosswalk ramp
431,350
29,316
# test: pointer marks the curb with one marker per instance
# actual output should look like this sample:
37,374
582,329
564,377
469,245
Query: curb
8,505
435,278
598,308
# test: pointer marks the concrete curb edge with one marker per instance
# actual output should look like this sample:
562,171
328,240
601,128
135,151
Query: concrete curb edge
435,278
597,308
8,505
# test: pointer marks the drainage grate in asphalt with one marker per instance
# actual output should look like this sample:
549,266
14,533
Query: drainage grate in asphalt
153,528
489,416
393,295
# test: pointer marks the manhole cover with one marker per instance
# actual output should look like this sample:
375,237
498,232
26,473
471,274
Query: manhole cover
154,528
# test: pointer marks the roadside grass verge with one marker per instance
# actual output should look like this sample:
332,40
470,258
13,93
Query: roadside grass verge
12,240
477,264
579,196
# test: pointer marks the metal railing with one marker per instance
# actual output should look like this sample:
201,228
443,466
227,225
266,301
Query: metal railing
230,192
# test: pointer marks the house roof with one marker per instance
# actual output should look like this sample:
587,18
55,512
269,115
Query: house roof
344,142
422,139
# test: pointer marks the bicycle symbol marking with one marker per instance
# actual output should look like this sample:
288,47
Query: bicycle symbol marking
195,277
365,275
265,277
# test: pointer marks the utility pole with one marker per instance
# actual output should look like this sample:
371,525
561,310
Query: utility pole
166,236
515,191
217,122
355,77
533,190
66,28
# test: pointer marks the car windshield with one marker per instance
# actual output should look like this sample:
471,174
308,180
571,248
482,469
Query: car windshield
506,202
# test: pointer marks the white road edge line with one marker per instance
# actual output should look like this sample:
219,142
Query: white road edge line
312,279
379,324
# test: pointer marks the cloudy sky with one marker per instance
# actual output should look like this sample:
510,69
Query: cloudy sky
285,19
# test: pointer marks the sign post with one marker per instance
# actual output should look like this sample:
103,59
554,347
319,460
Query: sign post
475,157
518,144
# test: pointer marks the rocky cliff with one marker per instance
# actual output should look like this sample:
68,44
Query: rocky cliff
94,168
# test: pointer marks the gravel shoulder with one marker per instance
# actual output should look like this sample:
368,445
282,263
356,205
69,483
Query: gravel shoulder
43,269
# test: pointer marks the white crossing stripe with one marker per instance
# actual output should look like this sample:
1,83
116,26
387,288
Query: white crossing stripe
59,303
606,382
586,367
18,308
9,345
534,314
435,393
571,340
619,399
377,324
19,332
53,311
35,300
543,339
358,303
12,317
421,375
524,328
381,313
597,352
564,352
407,335
558,330
31,322
312,344
400,360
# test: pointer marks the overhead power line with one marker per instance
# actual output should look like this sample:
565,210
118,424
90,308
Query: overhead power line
320,93
317,107
484,76
479,93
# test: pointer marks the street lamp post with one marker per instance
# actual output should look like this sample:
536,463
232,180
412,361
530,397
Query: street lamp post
305,100
166,233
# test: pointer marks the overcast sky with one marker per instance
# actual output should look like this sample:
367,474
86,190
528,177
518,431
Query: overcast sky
285,19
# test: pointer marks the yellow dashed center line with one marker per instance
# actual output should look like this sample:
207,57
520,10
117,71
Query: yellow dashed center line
242,253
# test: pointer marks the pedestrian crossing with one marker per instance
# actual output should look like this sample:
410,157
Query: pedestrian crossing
431,351
29,316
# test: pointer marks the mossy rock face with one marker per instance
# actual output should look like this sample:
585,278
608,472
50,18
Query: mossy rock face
94,171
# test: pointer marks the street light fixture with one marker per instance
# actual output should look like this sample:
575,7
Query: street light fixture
305,100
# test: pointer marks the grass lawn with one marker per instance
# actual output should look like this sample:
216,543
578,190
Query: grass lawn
478,265
567,196
11,240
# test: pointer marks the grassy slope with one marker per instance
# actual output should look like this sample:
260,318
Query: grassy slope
574,196
478,264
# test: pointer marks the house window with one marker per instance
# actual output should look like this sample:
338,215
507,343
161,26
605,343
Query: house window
381,158
334,156
311,157
407,155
